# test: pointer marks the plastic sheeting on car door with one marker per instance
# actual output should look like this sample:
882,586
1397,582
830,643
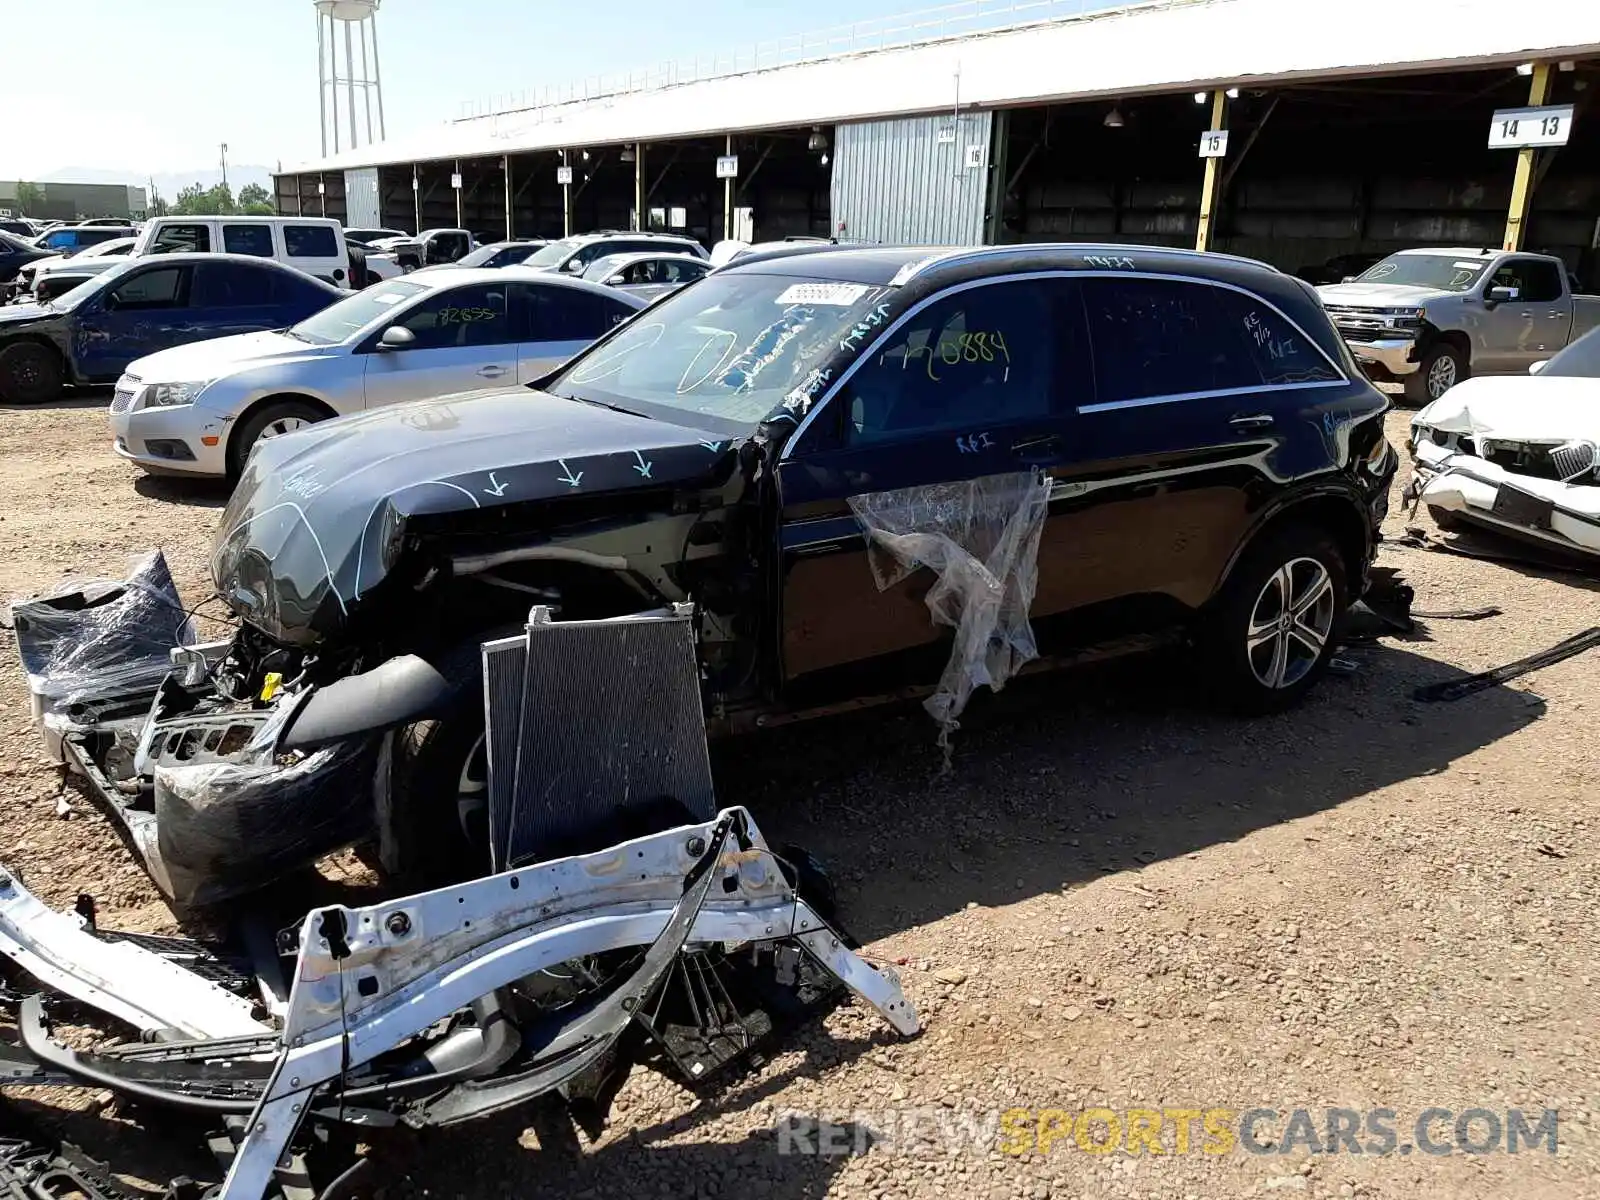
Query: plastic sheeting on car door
981,538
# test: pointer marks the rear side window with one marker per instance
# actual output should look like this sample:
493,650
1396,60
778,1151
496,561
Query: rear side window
1281,353
248,239
182,239
1160,337
310,241
234,285
558,314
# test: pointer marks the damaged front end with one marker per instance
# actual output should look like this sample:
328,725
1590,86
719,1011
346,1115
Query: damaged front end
685,950
181,743
1535,480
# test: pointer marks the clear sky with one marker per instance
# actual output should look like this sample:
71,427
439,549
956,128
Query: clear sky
152,86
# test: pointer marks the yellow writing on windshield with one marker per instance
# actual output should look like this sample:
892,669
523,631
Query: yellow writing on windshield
978,346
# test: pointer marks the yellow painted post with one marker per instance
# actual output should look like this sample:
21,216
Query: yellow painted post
1209,195
1522,184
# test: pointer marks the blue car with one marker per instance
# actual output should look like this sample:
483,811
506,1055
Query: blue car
90,334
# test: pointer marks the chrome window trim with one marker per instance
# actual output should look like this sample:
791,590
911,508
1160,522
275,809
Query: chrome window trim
867,352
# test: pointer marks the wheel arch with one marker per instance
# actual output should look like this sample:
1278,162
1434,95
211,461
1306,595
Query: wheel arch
1340,512
256,405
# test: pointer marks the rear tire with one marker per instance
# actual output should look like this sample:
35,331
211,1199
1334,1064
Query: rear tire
282,416
31,373
1275,624
1443,366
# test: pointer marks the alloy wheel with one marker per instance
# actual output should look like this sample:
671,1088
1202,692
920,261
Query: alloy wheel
284,425
1290,623
1441,376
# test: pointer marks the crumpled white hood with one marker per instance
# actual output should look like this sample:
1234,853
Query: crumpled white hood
1518,408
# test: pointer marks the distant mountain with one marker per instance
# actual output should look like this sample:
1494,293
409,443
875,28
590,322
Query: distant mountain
168,183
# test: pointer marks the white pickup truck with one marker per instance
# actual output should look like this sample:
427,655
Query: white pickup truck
1429,318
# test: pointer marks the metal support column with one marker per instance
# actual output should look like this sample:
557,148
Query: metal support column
727,199
416,202
1212,191
505,166
457,190
566,202
638,187
322,86
322,195
1527,159
350,81
999,138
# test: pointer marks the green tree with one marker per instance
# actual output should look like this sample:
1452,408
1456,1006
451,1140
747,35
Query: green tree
253,199
30,198
191,202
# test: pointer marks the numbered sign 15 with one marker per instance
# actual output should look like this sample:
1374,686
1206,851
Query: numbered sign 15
1214,143
1516,128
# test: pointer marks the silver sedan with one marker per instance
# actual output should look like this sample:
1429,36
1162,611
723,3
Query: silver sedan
198,409
647,275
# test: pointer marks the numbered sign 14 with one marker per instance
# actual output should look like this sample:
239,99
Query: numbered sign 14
1517,128
1214,143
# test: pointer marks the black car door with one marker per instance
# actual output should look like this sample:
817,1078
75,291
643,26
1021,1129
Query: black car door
973,382
1206,400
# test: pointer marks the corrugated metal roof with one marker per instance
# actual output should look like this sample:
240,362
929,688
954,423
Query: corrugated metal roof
1121,52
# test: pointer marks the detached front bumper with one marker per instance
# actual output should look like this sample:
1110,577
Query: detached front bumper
1561,515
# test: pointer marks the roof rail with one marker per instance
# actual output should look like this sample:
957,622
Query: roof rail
972,253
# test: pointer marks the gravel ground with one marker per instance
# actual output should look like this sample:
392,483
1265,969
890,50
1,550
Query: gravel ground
1118,899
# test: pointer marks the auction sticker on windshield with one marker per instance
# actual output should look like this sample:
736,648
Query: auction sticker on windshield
842,295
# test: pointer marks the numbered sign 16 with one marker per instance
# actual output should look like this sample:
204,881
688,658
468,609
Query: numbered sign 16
1214,143
1516,128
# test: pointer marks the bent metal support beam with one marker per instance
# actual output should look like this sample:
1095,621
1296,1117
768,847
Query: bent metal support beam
1527,157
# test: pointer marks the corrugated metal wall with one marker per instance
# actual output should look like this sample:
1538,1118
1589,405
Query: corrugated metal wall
361,198
915,180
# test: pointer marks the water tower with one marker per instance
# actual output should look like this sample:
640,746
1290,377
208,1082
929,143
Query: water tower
359,19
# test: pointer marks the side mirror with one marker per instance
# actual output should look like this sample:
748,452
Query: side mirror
108,302
616,279
396,337
574,267
1348,279
1535,367
1500,295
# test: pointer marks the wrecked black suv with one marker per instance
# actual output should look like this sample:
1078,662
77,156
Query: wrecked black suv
837,458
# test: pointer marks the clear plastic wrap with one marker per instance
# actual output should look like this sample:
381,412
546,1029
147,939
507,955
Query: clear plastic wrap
223,829
981,538
91,638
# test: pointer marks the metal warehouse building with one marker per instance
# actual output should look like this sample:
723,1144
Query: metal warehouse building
1364,125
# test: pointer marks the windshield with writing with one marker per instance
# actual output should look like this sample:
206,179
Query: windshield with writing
734,348
1441,272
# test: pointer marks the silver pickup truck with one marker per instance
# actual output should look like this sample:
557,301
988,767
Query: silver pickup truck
1429,318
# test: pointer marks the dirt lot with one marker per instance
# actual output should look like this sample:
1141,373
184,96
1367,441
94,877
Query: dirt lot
1119,899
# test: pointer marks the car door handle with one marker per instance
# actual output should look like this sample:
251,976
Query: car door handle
1555,316
1038,447
491,372
1253,421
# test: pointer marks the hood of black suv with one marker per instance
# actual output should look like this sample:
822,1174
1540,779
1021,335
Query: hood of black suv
320,516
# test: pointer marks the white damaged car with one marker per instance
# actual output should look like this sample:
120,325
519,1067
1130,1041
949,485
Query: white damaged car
1518,454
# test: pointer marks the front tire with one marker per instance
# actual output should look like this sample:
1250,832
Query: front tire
31,374
1274,626
270,420
1443,366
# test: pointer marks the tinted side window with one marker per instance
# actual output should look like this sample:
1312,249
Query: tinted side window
182,239
558,314
979,357
310,241
1158,337
163,288
1536,281
467,316
1280,353
680,272
233,285
248,239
